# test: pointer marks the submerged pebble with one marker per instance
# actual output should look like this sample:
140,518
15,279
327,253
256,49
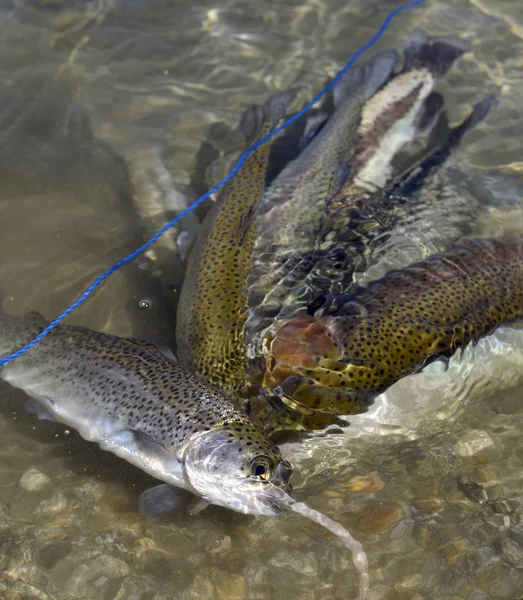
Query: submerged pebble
231,587
34,480
365,483
473,443
380,518
58,503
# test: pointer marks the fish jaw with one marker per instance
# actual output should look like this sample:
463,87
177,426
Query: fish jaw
228,466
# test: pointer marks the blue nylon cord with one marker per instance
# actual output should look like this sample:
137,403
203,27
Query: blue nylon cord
101,278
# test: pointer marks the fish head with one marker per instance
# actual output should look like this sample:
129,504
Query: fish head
236,466
306,367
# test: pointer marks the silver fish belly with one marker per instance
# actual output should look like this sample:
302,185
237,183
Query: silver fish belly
134,401
293,205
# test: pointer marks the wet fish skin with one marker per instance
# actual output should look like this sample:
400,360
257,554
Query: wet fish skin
357,345
401,110
293,204
321,256
305,184
134,401
357,223
213,304
367,204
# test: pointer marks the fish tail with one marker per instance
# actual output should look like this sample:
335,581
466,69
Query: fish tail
430,113
257,121
16,332
367,79
479,112
438,151
435,54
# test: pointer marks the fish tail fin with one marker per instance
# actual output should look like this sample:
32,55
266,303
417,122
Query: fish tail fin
436,54
258,121
367,79
479,112
429,113
419,170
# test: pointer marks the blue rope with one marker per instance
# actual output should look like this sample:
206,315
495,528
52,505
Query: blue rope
101,278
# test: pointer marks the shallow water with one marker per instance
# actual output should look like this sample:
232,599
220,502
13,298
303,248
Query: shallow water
106,113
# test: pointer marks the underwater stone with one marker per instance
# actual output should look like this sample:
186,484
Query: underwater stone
513,551
516,533
33,480
473,443
380,518
365,483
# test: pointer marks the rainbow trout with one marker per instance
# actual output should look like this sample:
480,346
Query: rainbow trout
293,204
134,401
293,273
140,404
210,331
357,345
373,198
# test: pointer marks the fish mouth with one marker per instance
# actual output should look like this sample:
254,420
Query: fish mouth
271,506
267,500
277,497
275,507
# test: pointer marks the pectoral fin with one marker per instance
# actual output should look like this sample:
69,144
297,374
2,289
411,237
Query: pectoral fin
146,444
313,126
431,159
341,174
160,500
152,347
35,407
197,505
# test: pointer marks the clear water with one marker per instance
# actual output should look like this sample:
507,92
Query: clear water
105,110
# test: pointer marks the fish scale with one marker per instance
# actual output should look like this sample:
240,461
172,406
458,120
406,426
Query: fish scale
322,256
134,379
357,345
143,406
293,204
213,304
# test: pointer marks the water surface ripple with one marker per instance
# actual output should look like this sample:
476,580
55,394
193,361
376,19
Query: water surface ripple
110,112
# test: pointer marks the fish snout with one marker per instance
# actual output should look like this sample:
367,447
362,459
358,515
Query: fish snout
282,475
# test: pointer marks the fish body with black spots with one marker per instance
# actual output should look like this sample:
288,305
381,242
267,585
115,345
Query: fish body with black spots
356,345
134,401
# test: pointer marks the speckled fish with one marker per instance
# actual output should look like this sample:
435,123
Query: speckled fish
373,197
134,401
140,404
416,215
359,344
210,331
399,112
292,206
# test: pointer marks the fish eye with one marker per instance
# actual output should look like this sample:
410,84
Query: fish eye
261,467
